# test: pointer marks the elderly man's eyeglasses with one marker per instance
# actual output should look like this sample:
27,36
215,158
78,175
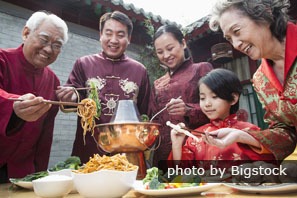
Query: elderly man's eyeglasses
56,47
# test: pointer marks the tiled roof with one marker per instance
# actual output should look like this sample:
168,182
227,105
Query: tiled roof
141,11
196,25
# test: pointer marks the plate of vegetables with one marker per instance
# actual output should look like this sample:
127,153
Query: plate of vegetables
66,166
157,184
26,182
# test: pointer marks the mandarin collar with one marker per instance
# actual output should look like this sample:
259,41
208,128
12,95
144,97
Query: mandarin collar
227,122
122,57
290,56
182,67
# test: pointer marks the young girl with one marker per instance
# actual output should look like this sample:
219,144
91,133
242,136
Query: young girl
219,94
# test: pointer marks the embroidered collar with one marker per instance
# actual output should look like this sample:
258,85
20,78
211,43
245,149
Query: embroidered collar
227,122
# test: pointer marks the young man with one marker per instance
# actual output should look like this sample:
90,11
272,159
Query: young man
116,76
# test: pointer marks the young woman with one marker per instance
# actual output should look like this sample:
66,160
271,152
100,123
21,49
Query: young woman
180,81
219,93
262,30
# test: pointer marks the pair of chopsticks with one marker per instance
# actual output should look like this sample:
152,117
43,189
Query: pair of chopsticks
50,102
161,110
186,131
83,88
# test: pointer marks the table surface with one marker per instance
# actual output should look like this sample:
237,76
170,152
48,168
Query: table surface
11,191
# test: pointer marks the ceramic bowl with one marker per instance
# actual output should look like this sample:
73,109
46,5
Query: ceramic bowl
66,172
104,183
53,186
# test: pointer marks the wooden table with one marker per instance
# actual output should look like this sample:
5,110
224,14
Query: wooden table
9,191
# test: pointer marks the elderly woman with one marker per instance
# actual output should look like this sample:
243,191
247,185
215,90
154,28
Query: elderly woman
261,29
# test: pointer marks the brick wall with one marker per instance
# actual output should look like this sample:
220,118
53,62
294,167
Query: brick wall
82,41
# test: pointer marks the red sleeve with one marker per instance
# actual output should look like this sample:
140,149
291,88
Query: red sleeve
43,146
194,116
5,95
6,110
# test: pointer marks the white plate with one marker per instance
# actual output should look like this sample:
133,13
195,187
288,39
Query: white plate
23,184
271,189
139,187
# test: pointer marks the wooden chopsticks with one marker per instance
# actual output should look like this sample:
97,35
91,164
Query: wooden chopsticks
186,130
83,88
197,132
51,102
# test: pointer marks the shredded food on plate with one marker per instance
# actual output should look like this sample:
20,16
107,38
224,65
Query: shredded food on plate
116,162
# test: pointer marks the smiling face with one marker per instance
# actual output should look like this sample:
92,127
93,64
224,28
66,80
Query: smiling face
213,106
43,45
245,35
170,52
114,38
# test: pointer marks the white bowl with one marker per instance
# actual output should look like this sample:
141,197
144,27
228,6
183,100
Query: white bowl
66,172
104,183
53,186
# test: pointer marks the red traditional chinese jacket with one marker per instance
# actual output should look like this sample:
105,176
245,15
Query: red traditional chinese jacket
199,150
279,101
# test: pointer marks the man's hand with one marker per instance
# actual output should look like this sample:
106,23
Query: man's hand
66,94
31,109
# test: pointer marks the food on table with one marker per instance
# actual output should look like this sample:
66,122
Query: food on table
30,177
155,179
291,171
116,162
73,162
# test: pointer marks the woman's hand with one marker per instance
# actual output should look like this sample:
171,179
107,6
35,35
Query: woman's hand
66,94
176,107
31,109
227,136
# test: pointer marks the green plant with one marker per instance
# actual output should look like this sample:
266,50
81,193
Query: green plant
148,56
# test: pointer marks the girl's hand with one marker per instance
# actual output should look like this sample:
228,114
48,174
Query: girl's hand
177,140
176,137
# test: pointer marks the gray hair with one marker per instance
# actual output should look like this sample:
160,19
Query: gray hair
38,17
272,12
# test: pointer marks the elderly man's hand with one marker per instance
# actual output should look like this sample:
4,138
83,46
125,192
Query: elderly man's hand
31,109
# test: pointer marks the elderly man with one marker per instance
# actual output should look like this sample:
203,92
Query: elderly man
26,127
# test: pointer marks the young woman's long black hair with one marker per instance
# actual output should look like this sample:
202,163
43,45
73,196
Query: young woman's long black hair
176,33
223,83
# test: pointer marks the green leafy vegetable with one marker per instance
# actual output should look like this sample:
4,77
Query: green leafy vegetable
72,162
156,184
30,177
94,96
152,173
155,179
144,118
